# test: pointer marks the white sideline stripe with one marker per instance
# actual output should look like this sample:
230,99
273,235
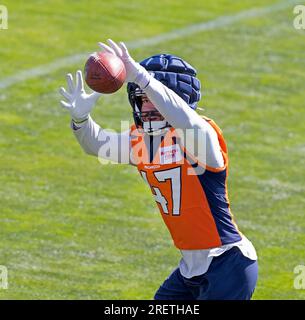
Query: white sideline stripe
178,33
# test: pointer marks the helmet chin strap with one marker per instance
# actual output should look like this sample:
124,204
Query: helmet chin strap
154,127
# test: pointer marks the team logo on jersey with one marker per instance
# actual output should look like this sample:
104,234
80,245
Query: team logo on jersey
170,154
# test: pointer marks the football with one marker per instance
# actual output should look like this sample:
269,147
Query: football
104,72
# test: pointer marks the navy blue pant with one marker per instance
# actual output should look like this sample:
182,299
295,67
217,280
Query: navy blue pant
231,276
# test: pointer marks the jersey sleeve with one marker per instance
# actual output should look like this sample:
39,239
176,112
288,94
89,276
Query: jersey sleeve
102,143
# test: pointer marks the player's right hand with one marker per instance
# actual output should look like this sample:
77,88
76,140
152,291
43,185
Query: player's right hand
78,102
134,71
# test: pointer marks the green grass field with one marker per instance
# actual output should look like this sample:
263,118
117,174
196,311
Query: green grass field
71,228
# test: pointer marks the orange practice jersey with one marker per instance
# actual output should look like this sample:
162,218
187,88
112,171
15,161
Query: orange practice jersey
193,203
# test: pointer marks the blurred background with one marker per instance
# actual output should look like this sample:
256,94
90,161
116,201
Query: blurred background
71,228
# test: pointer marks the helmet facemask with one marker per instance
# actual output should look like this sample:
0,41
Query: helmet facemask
151,122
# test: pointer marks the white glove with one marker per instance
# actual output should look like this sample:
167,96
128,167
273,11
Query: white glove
134,71
79,102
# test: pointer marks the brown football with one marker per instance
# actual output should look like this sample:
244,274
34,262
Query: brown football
104,72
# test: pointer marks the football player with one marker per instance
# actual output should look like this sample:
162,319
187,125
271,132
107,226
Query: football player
184,159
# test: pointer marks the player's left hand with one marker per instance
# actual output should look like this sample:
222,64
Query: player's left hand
134,71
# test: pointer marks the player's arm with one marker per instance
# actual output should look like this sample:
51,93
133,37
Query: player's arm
102,143
173,108
180,116
93,139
